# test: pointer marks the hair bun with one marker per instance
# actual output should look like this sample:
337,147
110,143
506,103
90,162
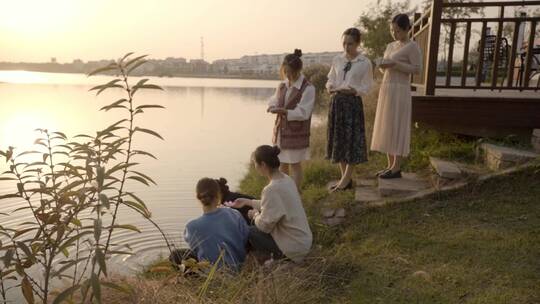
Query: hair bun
298,52
222,181
276,150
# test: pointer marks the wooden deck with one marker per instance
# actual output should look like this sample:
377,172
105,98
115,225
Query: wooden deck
482,113
485,93
503,96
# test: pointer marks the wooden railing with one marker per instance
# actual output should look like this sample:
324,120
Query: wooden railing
511,69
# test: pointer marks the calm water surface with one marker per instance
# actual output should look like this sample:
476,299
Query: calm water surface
210,127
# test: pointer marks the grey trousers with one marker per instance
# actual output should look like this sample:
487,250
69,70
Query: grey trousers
264,245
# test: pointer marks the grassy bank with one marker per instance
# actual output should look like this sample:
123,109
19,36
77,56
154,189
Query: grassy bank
480,244
477,245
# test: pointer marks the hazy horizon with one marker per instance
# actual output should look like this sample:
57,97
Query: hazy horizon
36,31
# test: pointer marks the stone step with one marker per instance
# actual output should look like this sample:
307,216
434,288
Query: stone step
408,184
340,212
367,195
327,212
535,140
366,182
498,157
445,169
333,221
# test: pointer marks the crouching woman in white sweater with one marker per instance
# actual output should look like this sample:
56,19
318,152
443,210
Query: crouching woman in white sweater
281,229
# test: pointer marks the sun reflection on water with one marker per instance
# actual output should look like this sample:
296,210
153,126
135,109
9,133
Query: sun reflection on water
22,77
19,130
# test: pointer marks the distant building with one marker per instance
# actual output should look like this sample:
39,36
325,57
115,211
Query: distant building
175,61
53,60
199,65
78,65
268,64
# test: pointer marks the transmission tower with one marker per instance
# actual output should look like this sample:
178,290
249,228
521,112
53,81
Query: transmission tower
202,48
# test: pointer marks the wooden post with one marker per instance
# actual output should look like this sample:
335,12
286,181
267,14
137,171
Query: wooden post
433,47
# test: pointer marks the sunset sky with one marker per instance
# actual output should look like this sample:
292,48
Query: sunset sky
36,30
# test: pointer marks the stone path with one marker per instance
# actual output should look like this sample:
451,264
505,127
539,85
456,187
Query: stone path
446,176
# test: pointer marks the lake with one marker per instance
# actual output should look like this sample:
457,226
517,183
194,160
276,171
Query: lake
210,128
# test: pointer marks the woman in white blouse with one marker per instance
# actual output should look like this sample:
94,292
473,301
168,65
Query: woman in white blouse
350,78
293,103
281,227
392,128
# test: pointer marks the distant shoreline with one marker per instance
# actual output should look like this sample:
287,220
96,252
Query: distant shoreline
175,75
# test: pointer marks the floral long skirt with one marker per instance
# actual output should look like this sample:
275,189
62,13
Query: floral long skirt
346,130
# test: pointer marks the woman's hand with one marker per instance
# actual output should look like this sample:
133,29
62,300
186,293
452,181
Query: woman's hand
252,213
331,89
270,109
279,111
348,91
239,203
387,64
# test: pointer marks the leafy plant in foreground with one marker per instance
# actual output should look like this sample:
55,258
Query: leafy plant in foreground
74,190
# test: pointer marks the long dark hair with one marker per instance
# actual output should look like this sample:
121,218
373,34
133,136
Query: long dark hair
223,187
268,155
402,21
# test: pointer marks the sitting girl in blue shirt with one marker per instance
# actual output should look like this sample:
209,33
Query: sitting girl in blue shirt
217,230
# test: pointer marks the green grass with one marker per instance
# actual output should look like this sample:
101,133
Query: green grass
478,245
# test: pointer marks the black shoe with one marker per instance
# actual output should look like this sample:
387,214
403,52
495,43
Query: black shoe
379,173
389,174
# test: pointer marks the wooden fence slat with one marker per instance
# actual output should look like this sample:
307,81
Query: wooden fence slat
496,59
480,67
466,55
512,64
450,53
528,61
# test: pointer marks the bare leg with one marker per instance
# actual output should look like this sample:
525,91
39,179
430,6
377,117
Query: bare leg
342,168
347,176
284,168
390,161
296,174
396,166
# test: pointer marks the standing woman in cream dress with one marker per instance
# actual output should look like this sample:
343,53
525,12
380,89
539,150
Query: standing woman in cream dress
392,128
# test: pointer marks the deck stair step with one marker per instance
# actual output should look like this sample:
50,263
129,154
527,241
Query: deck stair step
445,169
499,157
